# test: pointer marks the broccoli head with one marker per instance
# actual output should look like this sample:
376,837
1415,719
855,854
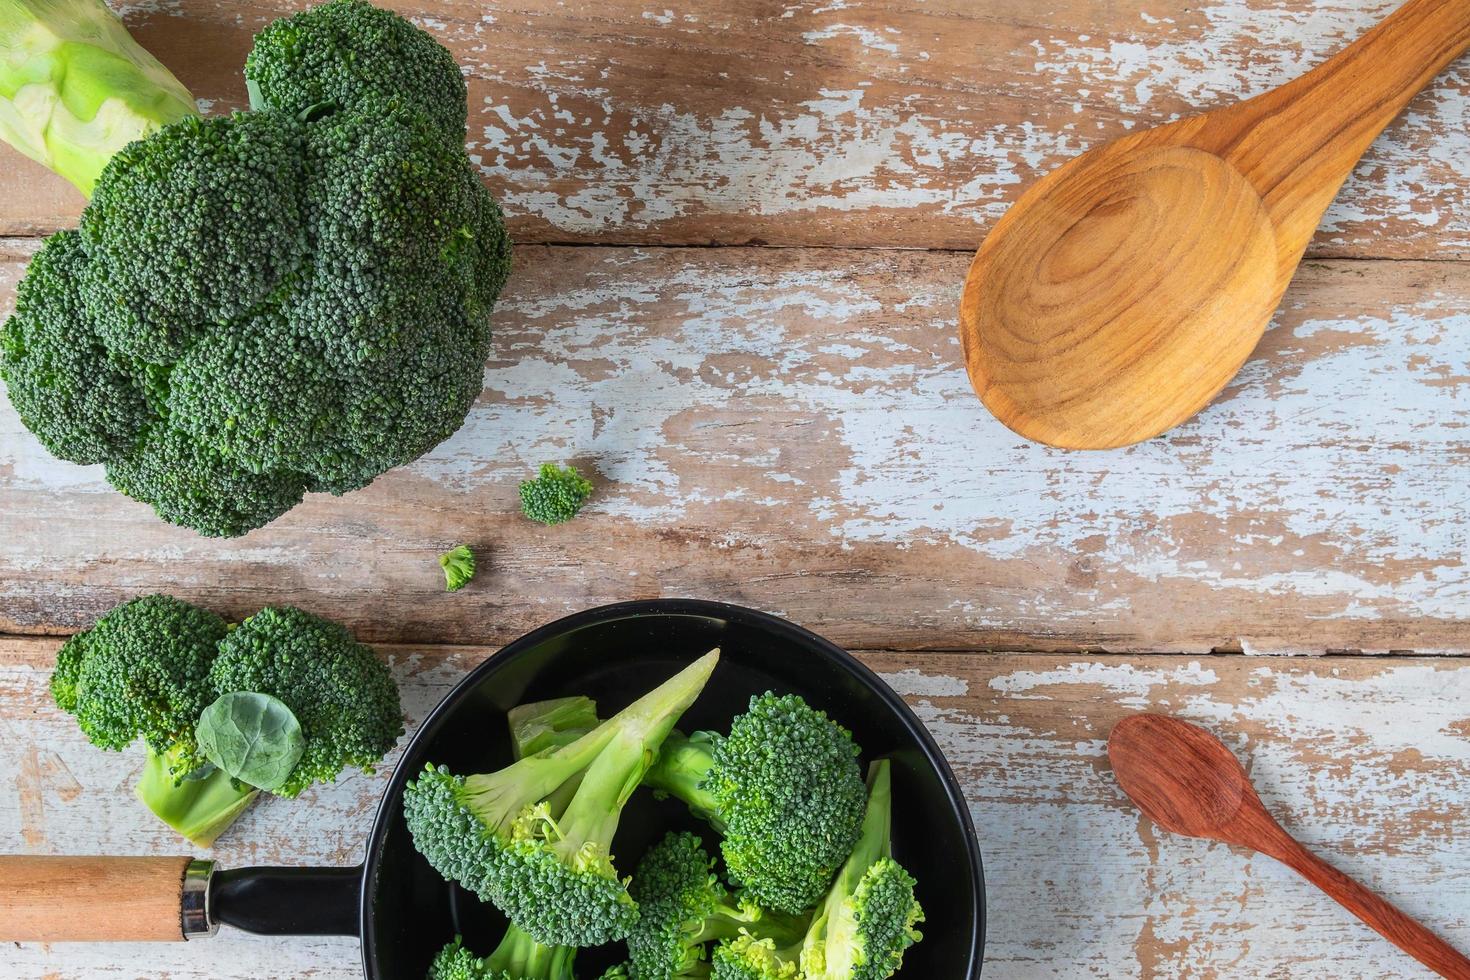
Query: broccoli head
784,790
556,495
150,667
682,906
518,957
340,692
297,64
548,866
142,672
288,300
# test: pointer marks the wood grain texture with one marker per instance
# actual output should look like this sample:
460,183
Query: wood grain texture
55,898
869,122
1365,759
794,429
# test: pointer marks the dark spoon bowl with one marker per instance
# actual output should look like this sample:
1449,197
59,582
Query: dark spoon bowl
615,653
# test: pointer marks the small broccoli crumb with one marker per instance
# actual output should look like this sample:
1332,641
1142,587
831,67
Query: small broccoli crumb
459,567
556,495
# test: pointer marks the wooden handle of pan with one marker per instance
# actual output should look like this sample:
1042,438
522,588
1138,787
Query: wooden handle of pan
92,899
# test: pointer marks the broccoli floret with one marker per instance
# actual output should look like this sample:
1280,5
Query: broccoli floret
784,790
150,667
455,962
518,957
190,484
682,906
618,971
340,692
297,64
550,869
749,958
556,495
79,88
220,198
459,567
864,923
868,919
143,672
81,401
275,302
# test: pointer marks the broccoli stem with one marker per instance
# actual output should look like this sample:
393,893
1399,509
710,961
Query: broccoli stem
519,955
683,763
593,813
76,87
199,809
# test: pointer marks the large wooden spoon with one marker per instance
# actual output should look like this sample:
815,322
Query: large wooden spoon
1187,781
1126,288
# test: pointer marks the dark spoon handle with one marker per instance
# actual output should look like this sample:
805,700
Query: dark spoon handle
1393,925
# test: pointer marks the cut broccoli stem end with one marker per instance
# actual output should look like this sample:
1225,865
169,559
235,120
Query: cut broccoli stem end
199,809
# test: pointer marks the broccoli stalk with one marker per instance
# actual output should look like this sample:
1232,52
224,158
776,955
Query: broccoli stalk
199,807
75,87
542,725
518,957
548,866
862,926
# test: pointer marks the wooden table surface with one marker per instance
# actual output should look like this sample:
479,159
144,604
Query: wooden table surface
791,428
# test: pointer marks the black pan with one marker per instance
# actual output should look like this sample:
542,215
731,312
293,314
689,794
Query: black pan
404,912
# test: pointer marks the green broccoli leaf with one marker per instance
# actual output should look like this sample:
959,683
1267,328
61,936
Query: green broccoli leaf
253,737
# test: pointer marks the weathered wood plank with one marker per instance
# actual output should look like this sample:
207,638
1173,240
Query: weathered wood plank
1366,759
811,122
793,429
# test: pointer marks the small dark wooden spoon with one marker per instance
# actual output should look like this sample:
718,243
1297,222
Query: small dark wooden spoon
1187,781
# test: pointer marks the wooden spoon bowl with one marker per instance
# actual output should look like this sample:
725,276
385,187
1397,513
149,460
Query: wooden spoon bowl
1126,288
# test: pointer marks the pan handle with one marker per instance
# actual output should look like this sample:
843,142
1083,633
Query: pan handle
287,901
98,899
168,899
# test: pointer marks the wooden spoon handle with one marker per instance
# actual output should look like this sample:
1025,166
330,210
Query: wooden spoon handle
1393,925
1312,131
95,899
